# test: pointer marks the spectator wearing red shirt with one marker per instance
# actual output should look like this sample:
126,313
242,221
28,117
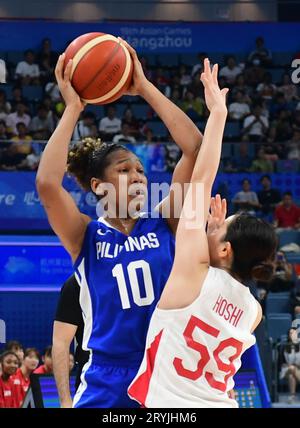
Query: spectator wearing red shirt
22,377
9,363
287,214
47,367
17,348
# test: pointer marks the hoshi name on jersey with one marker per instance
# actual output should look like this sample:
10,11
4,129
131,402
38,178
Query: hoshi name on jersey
132,243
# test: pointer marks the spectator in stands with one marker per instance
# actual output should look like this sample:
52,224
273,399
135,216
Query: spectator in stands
30,163
22,137
47,60
240,163
19,116
254,73
239,109
174,85
59,109
17,348
124,136
45,368
9,363
15,154
280,104
273,152
3,132
52,90
295,302
260,53
41,125
86,127
17,97
192,106
290,369
185,77
296,119
172,155
283,275
49,105
27,71
246,200
288,89
110,125
268,198
196,86
281,129
176,97
5,106
132,122
293,145
161,79
21,378
255,126
266,89
240,85
197,68
261,163
149,136
287,213
230,71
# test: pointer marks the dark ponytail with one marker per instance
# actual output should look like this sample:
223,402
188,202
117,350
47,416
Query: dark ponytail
263,271
89,158
254,243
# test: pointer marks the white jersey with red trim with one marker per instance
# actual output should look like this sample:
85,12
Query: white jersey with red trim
193,353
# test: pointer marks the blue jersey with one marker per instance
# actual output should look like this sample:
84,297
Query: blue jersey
121,279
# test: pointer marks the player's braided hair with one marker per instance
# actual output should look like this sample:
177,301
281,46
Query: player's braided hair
89,158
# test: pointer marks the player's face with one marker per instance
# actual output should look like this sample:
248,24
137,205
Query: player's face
217,246
10,364
126,174
31,361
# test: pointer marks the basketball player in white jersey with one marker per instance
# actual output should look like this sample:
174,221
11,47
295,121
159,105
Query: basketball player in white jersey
205,317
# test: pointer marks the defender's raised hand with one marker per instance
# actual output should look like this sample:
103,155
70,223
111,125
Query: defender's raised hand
214,96
217,216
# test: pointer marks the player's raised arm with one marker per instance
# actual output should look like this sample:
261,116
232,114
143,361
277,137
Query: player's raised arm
191,241
205,169
65,218
184,132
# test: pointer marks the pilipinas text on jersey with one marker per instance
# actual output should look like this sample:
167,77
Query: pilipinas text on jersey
121,279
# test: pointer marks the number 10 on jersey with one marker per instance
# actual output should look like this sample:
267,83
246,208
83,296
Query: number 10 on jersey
118,273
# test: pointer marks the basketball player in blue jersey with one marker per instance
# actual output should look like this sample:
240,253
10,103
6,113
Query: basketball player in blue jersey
121,264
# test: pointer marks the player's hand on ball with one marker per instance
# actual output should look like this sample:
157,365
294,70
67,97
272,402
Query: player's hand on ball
138,79
63,80
214,96
217,216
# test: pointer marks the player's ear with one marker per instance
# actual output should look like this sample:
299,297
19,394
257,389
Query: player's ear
225,250
96,186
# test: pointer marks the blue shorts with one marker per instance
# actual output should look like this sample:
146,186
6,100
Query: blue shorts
104,385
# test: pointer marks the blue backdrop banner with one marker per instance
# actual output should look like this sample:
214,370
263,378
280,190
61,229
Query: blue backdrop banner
149,37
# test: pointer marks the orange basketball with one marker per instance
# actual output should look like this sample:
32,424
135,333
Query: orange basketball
102,67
